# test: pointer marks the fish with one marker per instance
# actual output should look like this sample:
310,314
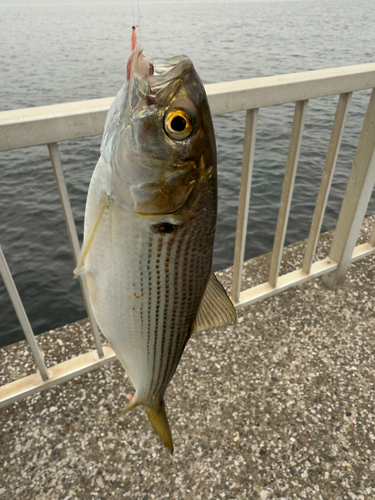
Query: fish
149,227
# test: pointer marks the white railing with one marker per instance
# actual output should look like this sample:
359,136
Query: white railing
52,124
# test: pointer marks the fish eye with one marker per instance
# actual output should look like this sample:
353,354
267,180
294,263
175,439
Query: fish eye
178,124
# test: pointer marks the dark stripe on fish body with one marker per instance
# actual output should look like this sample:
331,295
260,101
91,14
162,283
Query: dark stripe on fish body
195,284
190,276
170,302
158,287
149,297
141,292
165,314
175,313
174,332
184,279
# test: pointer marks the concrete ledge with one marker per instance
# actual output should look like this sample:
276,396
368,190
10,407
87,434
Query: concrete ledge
281,406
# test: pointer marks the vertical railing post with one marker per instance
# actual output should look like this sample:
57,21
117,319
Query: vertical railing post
325,185
356,200
73,237
21,314
244,201
287,191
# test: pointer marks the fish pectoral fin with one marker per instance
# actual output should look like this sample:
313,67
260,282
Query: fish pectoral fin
215,309
86,247
158,420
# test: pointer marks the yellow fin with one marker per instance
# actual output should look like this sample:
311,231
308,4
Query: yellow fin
159,422
86,247
215,309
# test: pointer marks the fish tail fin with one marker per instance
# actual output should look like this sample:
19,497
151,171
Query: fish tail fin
158,420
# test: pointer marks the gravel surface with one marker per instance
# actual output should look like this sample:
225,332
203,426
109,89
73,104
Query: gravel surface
280,406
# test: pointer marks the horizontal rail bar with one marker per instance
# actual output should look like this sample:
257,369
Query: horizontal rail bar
22,128
285,282
227,97
57,374
42,125
298,277
362,251
22,316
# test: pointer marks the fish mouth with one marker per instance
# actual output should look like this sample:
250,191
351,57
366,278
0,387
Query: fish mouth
156,82
138,64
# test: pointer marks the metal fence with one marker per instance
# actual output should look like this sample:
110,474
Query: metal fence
51,124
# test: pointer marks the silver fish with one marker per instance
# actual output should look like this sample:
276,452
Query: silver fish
150,225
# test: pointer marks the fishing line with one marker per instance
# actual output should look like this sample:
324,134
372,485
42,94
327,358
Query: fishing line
139,20
135,23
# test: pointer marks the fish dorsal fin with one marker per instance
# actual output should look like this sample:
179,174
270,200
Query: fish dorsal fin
215,309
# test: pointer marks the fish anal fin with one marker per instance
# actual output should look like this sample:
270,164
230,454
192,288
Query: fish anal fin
86,247
215,309
158,420
133,403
